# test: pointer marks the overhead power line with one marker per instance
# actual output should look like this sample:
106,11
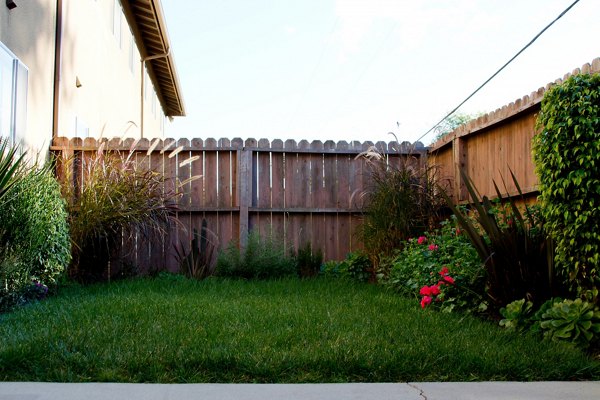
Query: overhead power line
500,70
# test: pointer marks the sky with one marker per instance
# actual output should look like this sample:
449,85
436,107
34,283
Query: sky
360,69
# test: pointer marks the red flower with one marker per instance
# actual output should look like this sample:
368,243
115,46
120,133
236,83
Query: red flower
433,247
425,301
444,271
425,291
457,231
448,279
435,290
421,239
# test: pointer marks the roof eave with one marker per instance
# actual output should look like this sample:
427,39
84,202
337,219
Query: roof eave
146,19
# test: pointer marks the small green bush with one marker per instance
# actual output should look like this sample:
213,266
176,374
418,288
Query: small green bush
356,266
35,242
567,159
309,261
420,264
263,258
36,225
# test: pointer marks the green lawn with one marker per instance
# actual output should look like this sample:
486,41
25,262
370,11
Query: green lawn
176,330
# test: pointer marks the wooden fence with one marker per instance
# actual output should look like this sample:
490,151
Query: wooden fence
491,146
310,192
299,192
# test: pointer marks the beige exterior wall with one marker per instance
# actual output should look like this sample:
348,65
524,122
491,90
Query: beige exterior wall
100,88
99,57
28,31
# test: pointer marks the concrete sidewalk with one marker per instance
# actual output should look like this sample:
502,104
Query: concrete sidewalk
352,391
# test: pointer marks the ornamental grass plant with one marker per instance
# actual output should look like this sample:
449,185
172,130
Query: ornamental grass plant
112,201
402,200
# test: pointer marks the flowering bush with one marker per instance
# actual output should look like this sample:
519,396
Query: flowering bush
442,266
435,292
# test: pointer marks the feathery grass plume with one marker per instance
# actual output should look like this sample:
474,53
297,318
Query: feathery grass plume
114,198
402,200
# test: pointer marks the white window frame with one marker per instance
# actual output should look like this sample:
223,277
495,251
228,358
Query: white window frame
117,22
13,95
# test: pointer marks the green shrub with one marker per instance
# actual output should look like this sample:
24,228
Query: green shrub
309,261
35,243
567,159
401,201
114,201
356,266
421,262
35,220
263,258
514,248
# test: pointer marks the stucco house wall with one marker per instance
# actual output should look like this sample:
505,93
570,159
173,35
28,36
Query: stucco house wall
100,81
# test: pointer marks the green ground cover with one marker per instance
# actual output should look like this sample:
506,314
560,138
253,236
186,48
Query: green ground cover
171,329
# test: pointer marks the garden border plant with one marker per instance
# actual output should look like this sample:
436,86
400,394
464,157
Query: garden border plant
264,257
401,200
34,242
514,249
567,162
112,201
442,267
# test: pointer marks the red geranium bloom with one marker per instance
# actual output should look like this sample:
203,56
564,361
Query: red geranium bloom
421,239
448,279
435,290
444,271
425,291
425,301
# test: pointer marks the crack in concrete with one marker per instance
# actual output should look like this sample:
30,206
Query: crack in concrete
421,392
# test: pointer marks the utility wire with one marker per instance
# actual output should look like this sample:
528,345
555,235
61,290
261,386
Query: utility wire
500,70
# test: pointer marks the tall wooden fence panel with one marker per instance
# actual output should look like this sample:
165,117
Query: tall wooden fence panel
299,192
492,146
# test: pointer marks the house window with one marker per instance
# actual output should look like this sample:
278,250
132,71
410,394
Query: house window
81,128
154,103
131,52
117,15
13,95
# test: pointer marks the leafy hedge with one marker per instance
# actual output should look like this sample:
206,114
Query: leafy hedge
567,158
35,243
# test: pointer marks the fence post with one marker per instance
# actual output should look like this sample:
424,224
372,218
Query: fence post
245,169
459,153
